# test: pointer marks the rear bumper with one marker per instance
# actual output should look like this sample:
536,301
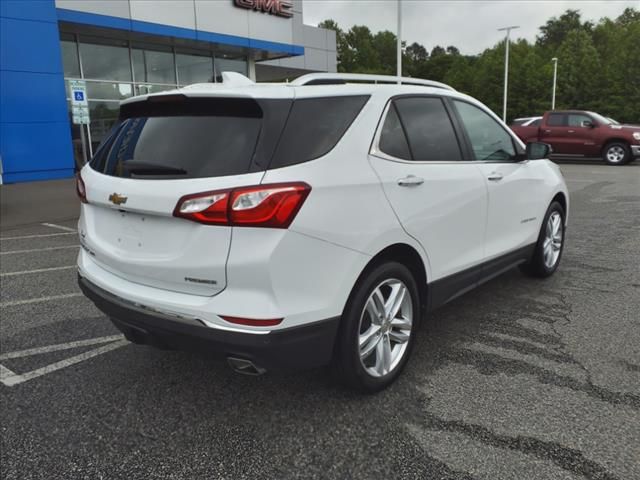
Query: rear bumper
287,349
635,150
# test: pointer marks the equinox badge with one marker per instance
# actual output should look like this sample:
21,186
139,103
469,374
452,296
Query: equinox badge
117,199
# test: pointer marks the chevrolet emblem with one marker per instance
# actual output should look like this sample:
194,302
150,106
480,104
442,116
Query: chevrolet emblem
117,199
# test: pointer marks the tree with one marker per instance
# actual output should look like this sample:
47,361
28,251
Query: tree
385,45
415,57
598,65
555,31
579,75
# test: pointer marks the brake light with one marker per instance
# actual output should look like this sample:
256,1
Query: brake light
81,190
272,205
253,322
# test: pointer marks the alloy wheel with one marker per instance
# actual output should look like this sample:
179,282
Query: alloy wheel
385,327
552,240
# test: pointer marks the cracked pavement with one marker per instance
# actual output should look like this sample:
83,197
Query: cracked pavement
518,379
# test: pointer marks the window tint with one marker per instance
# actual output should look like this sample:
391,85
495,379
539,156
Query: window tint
535,123
429,129
576,119
314,127
166,140
489,140
556,120
392,138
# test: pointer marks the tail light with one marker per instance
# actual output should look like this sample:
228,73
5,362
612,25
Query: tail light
272,205
81,190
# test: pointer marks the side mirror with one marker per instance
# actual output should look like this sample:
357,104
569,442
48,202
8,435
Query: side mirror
588,124
538,150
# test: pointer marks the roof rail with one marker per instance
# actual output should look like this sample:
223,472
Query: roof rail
342,78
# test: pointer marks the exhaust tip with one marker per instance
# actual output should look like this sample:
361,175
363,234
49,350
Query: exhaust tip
245,367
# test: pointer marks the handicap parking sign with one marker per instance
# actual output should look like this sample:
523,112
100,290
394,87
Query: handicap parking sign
78,90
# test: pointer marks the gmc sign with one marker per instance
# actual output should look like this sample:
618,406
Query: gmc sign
281,8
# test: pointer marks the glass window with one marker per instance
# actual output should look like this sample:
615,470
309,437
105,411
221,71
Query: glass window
556,120
314,127
489,140
153,66
429,129
576,119
76,140
109,90
194,68
105,60
103,115
230,65
184,139
392,139
144,89
535,123
70,62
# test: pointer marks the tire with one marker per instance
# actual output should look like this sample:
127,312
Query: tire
546,257
616,153
364,368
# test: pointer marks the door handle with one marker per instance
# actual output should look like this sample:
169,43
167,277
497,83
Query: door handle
494,177
410,181
547,131
571,131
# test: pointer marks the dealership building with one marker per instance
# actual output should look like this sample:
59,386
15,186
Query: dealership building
117,49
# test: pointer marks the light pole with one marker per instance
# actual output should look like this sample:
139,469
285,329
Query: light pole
506,69
555,76
399,45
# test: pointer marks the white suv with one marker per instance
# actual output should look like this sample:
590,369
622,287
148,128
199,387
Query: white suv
286,226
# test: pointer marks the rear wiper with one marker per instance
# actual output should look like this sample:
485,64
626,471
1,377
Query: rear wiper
147,168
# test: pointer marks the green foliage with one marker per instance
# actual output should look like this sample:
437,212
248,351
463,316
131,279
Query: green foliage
598,65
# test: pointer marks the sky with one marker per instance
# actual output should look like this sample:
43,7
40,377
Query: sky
470,25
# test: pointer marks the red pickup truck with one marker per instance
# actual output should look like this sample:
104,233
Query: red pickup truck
578,133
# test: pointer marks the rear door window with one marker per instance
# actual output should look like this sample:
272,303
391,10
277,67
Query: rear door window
429,129
557,120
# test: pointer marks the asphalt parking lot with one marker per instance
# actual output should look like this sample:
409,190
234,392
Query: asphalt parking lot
519,379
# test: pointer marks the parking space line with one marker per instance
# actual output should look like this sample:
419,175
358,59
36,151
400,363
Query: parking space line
6,375
59,227
39,270
60,346
31,250
15,379
15,303
41,235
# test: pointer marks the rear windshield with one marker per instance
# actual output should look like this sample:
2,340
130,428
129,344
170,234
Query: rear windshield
179,137
182,141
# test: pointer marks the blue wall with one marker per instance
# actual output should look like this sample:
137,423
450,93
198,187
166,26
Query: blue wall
35,134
